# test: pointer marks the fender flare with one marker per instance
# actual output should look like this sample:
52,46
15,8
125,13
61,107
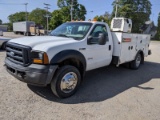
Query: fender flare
68,54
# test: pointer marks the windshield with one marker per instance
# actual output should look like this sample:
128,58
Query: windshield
73,30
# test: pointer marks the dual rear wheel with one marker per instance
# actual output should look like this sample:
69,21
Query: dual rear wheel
135,64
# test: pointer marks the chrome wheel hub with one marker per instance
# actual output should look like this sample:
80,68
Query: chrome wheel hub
69,82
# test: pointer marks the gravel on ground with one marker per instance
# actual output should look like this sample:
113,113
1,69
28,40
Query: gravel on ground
108,93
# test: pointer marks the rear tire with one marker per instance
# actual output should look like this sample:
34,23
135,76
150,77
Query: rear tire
24,33
29,34
135,64
66,81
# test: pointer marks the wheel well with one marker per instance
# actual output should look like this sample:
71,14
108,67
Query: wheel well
3,44
74,62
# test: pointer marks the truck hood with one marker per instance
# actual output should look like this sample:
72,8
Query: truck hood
39,40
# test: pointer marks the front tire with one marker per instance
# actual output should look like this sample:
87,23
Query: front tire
66,81
135,64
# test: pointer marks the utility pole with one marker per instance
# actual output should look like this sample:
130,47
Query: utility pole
116,8
152,16
26,10
47,16
71,10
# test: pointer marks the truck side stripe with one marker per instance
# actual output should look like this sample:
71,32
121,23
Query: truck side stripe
126,40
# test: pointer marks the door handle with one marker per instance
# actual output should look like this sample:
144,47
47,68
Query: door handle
110,47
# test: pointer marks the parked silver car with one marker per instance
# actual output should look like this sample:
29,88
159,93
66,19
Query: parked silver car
3,42
1,33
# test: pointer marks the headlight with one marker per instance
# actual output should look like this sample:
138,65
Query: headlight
40,57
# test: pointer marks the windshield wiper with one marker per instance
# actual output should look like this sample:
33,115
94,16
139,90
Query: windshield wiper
63,35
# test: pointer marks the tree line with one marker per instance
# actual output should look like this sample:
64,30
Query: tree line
56,17
137,10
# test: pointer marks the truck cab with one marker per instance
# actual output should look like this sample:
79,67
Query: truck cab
62,58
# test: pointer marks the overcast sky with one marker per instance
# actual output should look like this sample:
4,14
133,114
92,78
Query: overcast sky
97,6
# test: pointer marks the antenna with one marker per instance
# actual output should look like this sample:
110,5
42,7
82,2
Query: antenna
116,8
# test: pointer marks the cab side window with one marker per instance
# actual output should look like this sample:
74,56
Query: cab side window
96,31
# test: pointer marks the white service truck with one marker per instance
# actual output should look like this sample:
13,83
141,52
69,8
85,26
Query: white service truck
73,48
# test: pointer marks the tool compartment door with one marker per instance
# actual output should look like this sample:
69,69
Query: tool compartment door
142,43
128,45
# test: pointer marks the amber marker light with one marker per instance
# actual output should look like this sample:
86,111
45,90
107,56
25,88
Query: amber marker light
37,61
40,57
45,58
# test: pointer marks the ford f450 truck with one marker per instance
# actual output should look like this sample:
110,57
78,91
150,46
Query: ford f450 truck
73,48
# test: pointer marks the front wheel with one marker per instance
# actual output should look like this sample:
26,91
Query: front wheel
66,81
135,64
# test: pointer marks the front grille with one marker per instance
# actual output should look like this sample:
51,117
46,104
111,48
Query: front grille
18,54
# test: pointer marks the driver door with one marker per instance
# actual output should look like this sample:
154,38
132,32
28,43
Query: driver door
98,55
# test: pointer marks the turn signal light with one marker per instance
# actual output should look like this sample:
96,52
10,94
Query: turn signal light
38,61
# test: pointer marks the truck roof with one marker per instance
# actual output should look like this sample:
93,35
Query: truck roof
25,22
87,22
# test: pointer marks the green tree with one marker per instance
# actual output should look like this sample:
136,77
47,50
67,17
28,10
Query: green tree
56,19
0,22
39,16
59,17
79,10
105,18
16,17
63,15
137,10
157,37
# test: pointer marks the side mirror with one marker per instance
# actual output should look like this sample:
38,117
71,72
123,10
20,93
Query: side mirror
89,40
102,39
